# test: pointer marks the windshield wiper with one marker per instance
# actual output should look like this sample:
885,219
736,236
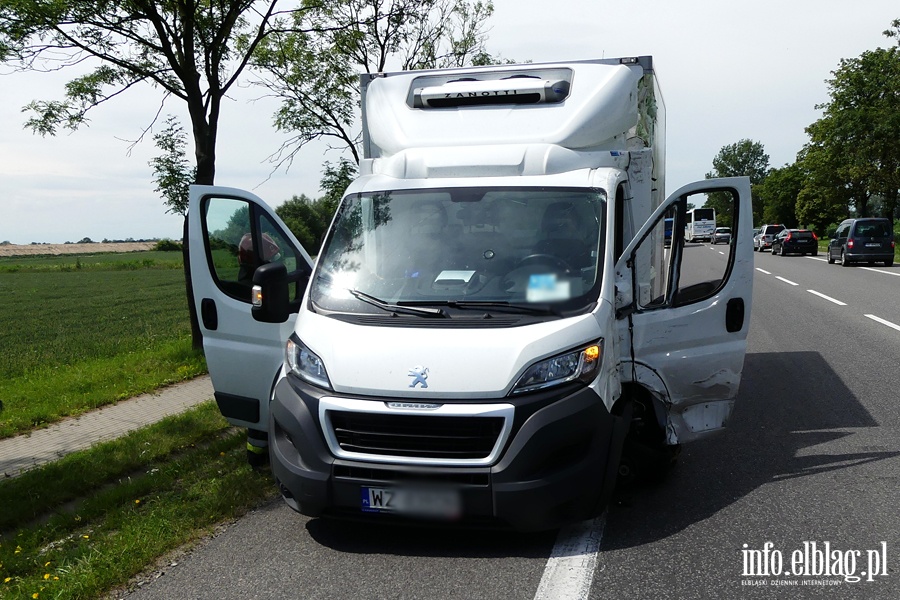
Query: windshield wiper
396,308
541,309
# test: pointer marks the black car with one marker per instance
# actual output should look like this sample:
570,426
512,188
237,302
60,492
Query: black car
862,240
795,241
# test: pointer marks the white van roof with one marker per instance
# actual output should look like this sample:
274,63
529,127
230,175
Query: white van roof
602,104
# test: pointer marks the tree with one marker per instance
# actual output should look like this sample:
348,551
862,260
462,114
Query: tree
314,67
778,194
859,131
185,48
305,218
745,158
171,170
335,180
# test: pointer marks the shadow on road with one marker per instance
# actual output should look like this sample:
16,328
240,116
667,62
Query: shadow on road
374,538
772,426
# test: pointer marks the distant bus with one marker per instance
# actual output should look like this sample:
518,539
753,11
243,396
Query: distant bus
668,232
700,224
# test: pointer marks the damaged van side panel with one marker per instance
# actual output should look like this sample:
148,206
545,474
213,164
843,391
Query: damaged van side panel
689,357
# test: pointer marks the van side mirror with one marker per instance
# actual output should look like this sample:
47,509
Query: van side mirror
270,293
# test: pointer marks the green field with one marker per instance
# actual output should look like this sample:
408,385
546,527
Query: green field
81,331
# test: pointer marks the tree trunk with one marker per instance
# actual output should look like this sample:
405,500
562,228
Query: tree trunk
204,152
196,333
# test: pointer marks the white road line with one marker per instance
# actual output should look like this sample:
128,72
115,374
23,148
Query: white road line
829,298
883,322
722,253
570,568
819,258
786,280
894,273
762,271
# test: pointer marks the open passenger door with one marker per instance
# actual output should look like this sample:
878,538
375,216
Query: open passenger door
231,234
684,309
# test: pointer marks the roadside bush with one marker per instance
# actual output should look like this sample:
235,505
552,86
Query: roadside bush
168,245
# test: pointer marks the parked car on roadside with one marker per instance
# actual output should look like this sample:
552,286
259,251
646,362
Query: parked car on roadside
722,235
763,240
862,240
795,241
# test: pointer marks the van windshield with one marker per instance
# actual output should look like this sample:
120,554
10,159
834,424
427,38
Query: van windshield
503,249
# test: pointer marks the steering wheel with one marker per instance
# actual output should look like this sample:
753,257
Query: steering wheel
544,259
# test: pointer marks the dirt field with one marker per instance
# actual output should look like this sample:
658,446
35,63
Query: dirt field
55,249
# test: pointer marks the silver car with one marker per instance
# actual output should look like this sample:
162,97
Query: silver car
763,240
722,235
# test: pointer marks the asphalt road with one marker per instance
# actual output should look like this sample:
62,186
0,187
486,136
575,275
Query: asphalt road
810,464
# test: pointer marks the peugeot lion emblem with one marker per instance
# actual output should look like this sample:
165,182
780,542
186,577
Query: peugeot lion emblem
419,375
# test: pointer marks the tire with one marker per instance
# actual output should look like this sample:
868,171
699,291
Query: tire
889,262
830,259
844,261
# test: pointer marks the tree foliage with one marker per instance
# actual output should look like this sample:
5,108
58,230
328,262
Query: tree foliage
778,195
185,48
172,172
859,132
745,158
306,219
312,65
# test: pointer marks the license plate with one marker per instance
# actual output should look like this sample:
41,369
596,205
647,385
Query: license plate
873,245
422,502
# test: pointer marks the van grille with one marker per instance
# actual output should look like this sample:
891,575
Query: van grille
416,436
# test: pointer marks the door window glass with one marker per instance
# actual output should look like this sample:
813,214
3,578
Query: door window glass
239,239
669,270
703,268
653,264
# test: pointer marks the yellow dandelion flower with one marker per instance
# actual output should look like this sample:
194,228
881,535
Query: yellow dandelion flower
46,575
137,501
55,578
18,549
87,537
7,580
35,595
47,564
221,454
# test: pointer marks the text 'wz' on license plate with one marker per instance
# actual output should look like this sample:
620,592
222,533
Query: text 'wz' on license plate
433,503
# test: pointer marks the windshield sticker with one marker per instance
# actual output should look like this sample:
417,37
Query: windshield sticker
546,287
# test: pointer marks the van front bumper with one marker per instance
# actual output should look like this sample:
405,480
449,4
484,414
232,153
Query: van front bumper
559,464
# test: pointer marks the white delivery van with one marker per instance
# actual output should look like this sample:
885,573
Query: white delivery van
495,329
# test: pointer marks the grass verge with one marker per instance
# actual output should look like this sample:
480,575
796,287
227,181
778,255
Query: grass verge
48,394
90,522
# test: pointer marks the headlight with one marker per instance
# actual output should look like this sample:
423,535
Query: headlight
305,364
582,364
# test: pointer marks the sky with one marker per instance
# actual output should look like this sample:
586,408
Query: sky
728,69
